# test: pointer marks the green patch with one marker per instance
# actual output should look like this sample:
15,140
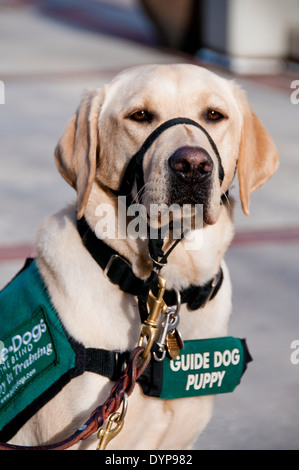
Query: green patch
204,367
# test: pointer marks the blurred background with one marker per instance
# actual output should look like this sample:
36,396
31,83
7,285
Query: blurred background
50,51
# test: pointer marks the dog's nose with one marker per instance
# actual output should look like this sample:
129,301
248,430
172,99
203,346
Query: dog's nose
191,163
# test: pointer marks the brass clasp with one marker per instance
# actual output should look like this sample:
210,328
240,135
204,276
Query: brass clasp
105,435
157,306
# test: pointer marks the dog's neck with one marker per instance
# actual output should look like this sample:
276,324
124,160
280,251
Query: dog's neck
185,266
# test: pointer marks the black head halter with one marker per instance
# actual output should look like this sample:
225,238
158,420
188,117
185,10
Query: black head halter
134,171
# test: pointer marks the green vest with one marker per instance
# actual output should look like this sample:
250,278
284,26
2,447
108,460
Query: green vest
38,357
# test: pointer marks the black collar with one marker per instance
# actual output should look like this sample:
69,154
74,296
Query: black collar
119,271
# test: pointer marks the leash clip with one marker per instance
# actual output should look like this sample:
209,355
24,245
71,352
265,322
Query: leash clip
105,435
157,306
169,322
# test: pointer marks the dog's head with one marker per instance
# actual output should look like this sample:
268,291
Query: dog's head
185,163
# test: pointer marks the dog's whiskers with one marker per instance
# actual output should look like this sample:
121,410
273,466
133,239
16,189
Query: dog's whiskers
136,199
227,199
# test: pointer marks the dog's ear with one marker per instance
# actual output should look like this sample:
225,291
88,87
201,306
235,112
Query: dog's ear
258,156
75,153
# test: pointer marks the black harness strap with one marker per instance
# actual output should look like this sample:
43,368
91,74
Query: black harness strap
111,364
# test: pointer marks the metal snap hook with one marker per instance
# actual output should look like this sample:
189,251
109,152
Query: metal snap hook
105,435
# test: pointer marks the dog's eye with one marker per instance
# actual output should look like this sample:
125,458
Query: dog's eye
213,115
141,116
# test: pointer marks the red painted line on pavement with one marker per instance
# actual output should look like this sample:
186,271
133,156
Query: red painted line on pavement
266,236
16,252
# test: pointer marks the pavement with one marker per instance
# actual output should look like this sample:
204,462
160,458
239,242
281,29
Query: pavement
46,60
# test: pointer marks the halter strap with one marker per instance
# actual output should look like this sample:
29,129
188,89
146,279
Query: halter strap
134,170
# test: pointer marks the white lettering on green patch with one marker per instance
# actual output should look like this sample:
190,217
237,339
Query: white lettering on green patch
204,367
25,353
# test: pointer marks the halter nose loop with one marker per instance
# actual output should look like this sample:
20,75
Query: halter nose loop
134,170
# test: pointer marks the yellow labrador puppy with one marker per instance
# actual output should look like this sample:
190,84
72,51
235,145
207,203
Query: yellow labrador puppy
192,160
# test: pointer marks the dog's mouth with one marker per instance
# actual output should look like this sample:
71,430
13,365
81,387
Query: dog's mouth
193,203
188,193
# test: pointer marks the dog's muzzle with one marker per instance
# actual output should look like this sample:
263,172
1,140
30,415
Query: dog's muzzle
190,176
189,163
